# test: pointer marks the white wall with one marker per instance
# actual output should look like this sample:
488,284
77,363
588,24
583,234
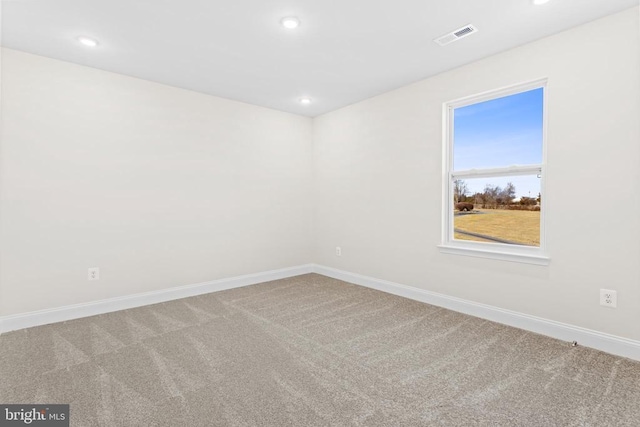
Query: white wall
161,187
157,186
378,167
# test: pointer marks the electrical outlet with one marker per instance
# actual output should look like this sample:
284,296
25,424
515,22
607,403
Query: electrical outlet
338,251
94,273
608,298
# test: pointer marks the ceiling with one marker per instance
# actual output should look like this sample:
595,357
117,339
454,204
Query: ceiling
344,50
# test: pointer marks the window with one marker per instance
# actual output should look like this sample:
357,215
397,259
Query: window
494,164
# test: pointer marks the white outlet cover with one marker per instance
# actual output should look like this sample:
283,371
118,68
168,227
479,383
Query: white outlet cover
93,273
608,298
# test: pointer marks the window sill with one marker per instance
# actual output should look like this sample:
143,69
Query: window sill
525,258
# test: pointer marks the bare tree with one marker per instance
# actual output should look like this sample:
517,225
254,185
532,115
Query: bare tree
494,197
508,194
491,195
478,199
460,190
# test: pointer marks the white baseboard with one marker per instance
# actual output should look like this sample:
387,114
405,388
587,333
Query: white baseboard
76,311
562,331
585,337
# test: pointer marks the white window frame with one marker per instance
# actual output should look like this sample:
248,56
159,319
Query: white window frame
500,251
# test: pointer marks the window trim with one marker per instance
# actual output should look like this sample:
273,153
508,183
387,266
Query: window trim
500,251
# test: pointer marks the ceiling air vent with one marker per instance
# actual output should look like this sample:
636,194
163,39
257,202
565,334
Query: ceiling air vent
456,35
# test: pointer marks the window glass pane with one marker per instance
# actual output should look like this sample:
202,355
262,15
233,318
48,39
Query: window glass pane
498,210
501,132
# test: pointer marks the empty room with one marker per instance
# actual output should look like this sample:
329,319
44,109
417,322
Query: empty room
316,213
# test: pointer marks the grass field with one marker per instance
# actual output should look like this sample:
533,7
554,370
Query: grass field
522,227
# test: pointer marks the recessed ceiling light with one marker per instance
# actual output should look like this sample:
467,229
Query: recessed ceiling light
290,22
88,41
305,100
539,2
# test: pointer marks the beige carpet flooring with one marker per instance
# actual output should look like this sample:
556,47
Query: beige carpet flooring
312,351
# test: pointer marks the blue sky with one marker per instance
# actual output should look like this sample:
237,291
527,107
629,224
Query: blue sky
500,132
